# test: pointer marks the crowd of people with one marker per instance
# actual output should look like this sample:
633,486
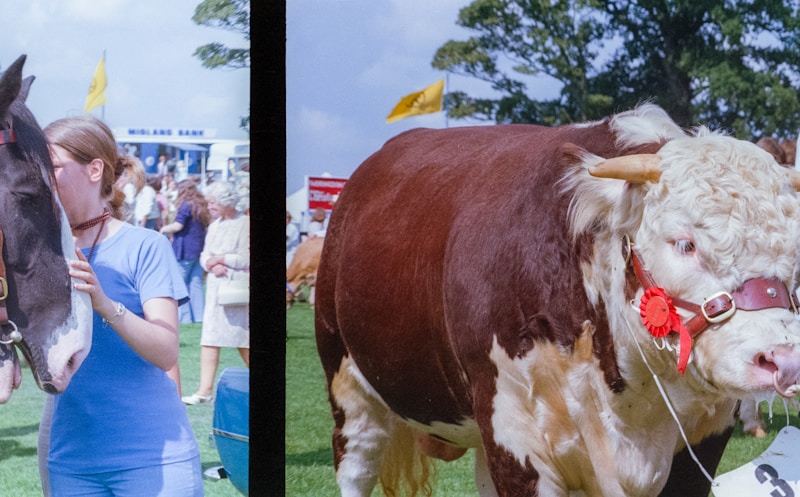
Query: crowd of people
146,245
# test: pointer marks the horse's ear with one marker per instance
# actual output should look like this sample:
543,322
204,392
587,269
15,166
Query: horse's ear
10,84
26,87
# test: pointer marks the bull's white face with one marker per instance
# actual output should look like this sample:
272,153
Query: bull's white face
724,212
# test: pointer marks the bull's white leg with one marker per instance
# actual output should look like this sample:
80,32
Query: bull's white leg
483,480
367,429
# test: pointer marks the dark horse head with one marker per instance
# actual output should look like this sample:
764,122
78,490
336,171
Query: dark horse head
40,311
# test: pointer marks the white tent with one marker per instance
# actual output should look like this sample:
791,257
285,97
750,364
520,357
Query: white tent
297,204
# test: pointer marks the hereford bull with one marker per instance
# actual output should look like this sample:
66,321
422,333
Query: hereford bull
539,289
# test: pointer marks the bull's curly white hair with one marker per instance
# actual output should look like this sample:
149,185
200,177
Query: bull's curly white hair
223,193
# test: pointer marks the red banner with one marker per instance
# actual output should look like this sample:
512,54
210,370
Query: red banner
323,192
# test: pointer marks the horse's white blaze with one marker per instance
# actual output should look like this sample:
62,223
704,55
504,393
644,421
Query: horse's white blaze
74,338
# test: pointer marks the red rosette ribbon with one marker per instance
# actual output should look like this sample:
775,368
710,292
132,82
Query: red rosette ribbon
660,318
686,343
656,310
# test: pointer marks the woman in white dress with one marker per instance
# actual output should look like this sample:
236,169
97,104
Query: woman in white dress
226,254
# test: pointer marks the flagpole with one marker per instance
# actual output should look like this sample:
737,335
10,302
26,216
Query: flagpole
446,100
103,109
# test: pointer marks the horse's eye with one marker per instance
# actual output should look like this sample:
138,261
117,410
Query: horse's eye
684,247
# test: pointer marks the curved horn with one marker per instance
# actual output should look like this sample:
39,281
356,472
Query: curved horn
794,175
638,168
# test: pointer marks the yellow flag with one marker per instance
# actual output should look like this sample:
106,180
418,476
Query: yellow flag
97,90
422,102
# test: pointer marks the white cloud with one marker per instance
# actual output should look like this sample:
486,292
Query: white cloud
94,11
149,63
422,23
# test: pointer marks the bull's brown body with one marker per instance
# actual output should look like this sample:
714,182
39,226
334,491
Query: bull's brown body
478,258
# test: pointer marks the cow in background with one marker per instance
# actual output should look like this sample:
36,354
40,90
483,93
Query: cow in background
302,271
570,277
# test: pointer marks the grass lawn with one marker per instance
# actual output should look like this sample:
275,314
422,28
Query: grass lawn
309,457
19,424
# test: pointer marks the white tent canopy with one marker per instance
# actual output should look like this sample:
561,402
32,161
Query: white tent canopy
296,204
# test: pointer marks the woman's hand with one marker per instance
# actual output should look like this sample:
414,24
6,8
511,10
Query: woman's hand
82,270
216,265
219,270
216,260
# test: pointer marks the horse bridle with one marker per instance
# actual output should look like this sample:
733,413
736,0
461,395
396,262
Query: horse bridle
7,136
14,336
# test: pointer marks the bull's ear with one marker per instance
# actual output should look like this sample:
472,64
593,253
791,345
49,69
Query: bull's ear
638,168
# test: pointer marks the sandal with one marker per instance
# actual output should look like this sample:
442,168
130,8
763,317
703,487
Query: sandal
196,399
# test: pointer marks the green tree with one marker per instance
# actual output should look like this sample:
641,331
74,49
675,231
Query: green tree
731,64
232,15
520,39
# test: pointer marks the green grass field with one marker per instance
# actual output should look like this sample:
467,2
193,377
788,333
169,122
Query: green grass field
19,424
309,457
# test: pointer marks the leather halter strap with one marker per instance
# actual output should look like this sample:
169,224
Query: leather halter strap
14,336
755,294
7,136
3,284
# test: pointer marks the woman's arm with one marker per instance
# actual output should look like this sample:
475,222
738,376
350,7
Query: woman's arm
241,258
173,227
181,218
154,338
205,254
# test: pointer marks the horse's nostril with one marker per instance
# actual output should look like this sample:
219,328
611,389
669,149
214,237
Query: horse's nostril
74,362
50,389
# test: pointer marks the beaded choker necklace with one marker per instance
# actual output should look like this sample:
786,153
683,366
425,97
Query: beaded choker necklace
101,219
91,222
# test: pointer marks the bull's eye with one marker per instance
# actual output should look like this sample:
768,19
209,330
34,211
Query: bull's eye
684,246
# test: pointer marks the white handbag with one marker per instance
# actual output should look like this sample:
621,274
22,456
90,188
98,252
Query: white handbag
234,292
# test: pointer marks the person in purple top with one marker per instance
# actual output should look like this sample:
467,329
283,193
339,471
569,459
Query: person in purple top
188,232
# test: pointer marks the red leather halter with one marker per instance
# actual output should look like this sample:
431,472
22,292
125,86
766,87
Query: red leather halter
6,136
755,294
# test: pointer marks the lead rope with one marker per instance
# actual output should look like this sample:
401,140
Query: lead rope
669,405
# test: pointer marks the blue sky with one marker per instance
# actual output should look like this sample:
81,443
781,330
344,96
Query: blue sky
153,79
348,62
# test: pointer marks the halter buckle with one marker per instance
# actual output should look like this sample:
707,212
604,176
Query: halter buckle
718,318
3,288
